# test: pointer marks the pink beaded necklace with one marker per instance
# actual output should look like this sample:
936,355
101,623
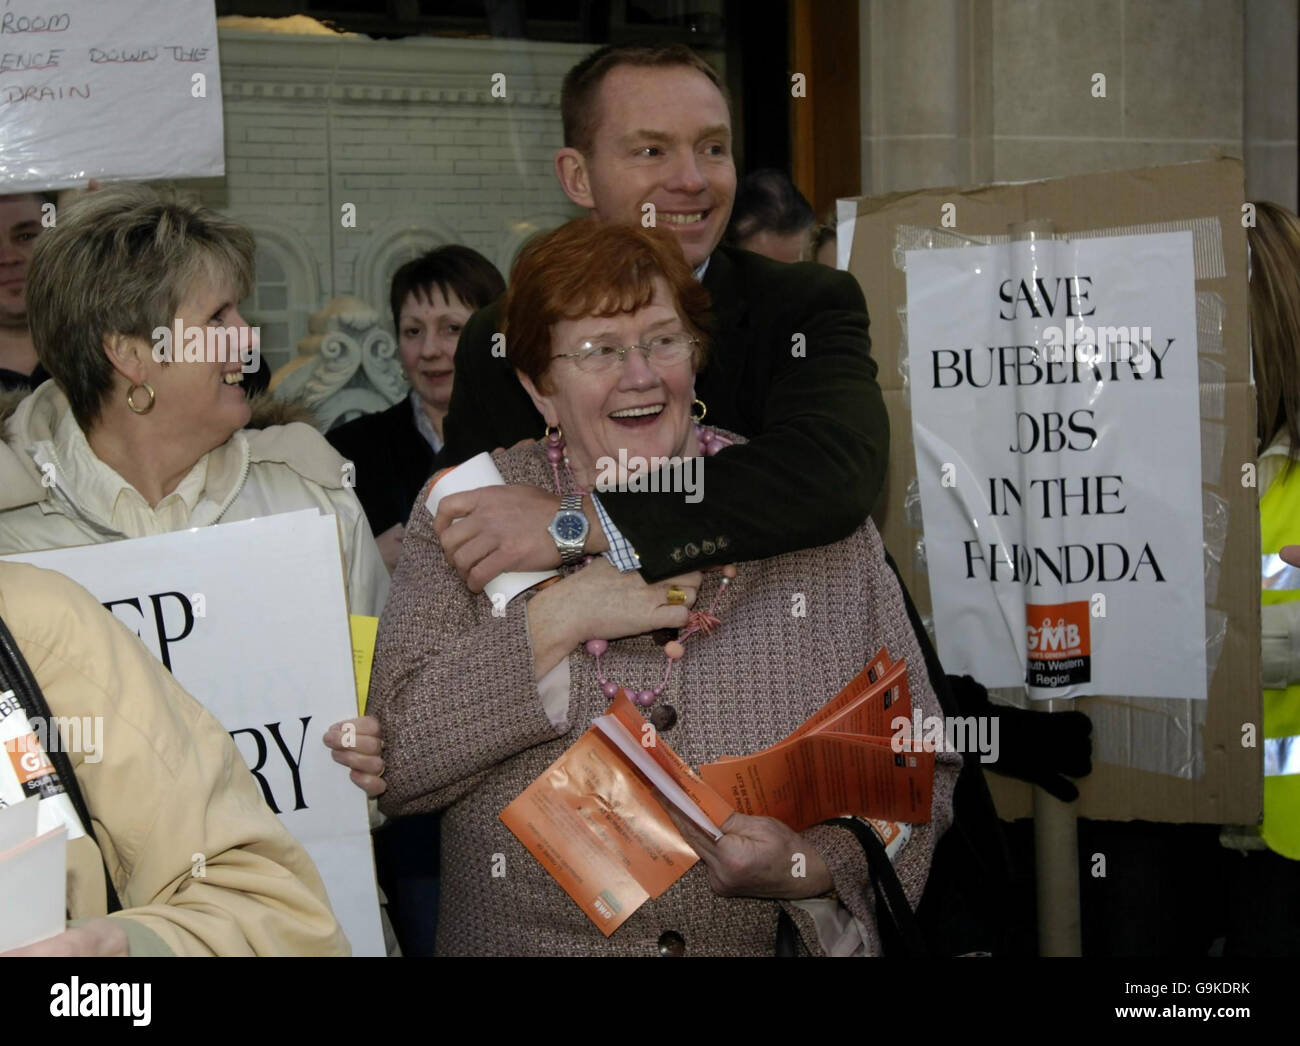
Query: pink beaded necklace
701,622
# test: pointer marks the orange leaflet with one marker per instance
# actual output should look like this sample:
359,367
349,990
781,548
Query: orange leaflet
808,779
871,712
714,806
593,821
879,674
877,678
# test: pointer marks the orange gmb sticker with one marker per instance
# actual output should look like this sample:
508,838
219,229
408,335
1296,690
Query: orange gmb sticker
29,760
1059,644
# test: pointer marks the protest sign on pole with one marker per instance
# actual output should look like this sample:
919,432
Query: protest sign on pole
1056,422
121,91
251,618
1170,758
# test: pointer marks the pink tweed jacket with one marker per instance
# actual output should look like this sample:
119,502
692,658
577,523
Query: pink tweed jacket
465,733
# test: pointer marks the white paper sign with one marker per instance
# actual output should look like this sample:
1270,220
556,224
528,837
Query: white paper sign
251,618
479,471
120,90
1056,419
33,869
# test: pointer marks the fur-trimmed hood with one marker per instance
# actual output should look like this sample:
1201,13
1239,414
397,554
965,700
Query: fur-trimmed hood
279,432
9,400
55,492
267,409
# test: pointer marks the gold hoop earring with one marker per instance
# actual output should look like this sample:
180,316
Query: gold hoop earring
703,410
553,433
130,398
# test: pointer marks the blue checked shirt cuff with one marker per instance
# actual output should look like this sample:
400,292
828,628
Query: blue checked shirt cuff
620,553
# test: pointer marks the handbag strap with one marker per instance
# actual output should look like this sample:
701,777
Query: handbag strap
15,675
889,891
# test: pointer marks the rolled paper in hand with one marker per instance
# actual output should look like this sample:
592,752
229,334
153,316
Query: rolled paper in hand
478,472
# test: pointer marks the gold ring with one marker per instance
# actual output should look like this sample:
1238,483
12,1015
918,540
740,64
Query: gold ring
676,596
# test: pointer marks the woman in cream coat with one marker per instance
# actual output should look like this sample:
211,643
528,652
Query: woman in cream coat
165,784
126,442
133,436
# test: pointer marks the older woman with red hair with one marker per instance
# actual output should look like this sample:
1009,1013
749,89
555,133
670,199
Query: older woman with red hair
606,328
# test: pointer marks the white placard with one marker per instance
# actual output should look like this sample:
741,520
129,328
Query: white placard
119,90
480,471
251,617
1056,419
33,869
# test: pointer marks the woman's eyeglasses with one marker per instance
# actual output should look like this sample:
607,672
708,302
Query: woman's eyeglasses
599,358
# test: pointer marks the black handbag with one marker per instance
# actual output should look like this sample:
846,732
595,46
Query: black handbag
963,910
899,929
15,676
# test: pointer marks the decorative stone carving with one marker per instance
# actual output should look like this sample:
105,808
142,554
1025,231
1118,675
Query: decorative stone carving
347,366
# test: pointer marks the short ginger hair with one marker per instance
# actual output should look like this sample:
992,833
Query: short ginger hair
592,268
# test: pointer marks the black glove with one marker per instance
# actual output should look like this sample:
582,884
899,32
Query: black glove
1038,747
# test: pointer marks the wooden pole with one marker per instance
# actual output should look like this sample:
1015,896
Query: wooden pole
1056,827
1056,869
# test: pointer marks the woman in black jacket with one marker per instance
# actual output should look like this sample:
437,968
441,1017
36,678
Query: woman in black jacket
431,297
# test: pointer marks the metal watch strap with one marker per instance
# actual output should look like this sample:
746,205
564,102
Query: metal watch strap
571,503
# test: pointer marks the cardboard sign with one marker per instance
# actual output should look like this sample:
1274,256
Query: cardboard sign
251,619
121,91
1056,426
1154,759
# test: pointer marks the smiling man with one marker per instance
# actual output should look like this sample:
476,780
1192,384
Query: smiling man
648,138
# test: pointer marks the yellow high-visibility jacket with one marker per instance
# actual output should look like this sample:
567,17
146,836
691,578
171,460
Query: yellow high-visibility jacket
1279,521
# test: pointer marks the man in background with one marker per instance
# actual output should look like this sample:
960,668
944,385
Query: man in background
20,224
772,217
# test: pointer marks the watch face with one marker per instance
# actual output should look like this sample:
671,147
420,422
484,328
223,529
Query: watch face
570,527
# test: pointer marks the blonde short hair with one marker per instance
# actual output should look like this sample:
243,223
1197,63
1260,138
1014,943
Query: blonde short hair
121,260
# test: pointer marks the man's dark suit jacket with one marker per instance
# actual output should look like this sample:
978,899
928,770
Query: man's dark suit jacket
392,462
790,368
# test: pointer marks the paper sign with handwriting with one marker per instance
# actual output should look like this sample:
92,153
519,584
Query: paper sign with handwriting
122,91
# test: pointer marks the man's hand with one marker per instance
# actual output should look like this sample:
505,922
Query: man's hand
492,530
96,939
357,744
390,545
757,857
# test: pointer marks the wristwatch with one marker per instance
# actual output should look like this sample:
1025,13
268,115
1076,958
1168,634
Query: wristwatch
569,529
